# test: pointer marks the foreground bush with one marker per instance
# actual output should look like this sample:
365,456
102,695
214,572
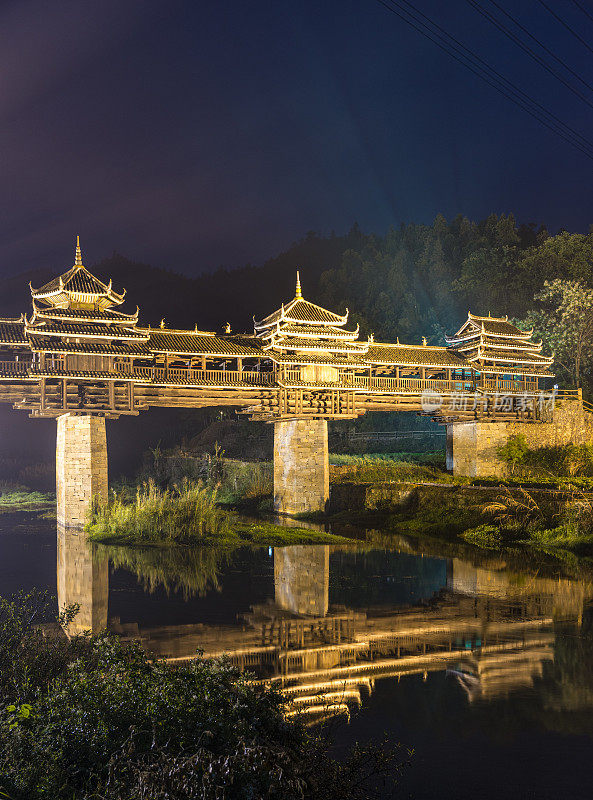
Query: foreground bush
103,721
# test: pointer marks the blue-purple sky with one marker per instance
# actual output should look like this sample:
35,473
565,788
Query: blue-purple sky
195,134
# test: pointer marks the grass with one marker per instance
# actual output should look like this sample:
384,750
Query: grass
184,515
21,499
435,458
187,515
379,470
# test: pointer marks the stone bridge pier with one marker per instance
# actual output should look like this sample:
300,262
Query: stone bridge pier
472,447
81,467
301,466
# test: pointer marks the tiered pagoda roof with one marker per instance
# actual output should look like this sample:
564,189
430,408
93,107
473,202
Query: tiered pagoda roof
301,332
493,343
12,331
74,313
78,289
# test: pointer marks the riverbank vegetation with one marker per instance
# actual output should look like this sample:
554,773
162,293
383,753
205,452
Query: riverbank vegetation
20,498
91,716
187,515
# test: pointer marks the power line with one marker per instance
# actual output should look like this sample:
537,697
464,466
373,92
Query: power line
486,73
490,69
566,25
584,10
542,45
510,35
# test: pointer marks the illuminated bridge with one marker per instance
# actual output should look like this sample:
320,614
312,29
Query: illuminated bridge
82,359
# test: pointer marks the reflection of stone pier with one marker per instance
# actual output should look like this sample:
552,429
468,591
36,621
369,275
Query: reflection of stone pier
83,579
301,579
81,467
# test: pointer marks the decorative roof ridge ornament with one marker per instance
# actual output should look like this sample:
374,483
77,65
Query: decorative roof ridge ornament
424,341
78,254
298,295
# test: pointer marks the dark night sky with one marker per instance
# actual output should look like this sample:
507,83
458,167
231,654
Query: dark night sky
194,134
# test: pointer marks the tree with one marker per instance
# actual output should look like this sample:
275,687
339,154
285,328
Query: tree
565,324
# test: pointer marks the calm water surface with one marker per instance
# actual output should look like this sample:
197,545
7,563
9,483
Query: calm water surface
481,663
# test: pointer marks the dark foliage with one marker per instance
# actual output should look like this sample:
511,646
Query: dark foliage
92,717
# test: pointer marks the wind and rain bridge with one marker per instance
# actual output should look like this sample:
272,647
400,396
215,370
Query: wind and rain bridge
81,359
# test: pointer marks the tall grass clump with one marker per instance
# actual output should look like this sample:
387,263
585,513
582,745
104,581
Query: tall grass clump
181,514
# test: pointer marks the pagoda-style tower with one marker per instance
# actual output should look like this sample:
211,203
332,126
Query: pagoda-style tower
500,353
309,343
308,346
75,329
83,351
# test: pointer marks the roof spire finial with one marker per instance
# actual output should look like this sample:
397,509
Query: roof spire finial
298,294
78,258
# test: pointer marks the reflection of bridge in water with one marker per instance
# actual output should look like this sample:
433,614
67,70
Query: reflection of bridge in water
491,628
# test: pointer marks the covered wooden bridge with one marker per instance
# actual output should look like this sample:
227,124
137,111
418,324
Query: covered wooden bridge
80,358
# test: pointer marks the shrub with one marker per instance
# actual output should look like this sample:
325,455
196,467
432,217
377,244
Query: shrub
514,450
104,721
486,536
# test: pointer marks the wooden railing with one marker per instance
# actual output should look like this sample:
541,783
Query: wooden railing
405,385
506,385
15,367
185,375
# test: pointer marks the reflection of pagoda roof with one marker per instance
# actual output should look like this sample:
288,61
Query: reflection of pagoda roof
78,285
301,311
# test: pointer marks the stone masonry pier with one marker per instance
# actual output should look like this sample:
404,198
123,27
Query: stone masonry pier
301,466
81,467
472,447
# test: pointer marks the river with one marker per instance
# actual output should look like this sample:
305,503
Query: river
481,663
